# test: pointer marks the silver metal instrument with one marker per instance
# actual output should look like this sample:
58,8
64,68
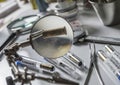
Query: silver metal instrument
85,37
93,65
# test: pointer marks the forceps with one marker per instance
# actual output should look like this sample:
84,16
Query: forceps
93,65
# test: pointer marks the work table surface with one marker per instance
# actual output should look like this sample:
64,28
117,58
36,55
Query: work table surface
90,22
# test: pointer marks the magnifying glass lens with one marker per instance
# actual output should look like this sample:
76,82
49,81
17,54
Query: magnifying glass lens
23,24
59,36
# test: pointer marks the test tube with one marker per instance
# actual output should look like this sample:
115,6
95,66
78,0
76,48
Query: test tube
109,64
113,55
113,52
33,68
33,64
30,67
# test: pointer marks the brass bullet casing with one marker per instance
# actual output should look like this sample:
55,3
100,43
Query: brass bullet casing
101,55
47,67
74,59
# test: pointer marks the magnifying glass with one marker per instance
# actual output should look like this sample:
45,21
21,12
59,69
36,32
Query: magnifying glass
23,24
57,39
17,27
50,37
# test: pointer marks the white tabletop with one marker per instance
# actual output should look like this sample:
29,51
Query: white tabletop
90,22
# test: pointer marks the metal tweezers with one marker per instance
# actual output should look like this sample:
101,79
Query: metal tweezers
93,65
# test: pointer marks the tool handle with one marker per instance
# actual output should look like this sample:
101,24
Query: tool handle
7,41
103,40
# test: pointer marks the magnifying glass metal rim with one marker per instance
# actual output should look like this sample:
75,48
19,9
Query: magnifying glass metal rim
38,21
23,31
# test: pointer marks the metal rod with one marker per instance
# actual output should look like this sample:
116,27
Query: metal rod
49,33
102,40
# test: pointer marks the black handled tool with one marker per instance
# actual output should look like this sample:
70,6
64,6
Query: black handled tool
8,42
84,37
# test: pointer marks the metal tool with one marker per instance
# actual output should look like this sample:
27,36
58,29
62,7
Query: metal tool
8,42
25,77
84,37
46,39
16,28
54,46
93,65
49,33
65,68
48,42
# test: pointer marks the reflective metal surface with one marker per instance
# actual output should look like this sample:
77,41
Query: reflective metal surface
52,46
108,12
67,9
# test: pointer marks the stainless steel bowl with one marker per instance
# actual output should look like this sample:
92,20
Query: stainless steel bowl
108,11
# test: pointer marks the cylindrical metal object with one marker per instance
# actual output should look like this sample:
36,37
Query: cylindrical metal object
107,11
67,9
47,66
